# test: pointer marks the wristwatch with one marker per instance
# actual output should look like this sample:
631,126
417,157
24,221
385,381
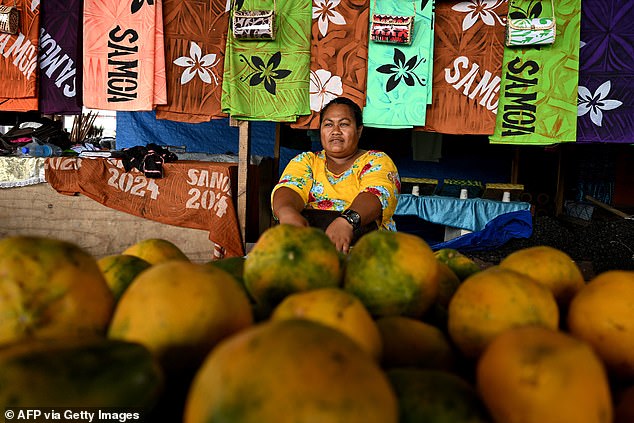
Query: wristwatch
352,217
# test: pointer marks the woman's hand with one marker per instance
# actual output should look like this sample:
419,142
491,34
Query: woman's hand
340,233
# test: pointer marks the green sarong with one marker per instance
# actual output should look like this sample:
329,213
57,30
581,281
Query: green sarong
269,80
538,91
399,75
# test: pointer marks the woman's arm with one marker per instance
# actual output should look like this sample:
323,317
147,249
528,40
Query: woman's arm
287,207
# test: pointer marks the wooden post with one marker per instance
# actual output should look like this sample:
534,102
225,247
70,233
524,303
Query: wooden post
515,166
559,193
244,154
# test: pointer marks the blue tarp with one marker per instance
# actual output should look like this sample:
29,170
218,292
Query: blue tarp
493,223
496,233
214,137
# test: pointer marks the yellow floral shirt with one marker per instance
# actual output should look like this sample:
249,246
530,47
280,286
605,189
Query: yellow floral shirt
372,172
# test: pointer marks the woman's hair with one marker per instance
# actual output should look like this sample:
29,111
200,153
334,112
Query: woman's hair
356,110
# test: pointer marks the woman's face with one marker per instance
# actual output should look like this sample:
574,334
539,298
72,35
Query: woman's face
339,133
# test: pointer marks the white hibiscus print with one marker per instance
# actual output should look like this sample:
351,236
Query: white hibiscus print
323,88
197,65
479,9
324,11
596,103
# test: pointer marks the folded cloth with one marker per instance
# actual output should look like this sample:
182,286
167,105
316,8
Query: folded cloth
147,159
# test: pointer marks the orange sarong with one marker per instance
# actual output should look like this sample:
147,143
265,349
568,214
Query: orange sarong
19,70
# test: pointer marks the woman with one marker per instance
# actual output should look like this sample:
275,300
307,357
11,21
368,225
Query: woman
362,185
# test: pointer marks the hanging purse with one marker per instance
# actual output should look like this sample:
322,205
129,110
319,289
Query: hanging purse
9,19
256,25
527,32
392,29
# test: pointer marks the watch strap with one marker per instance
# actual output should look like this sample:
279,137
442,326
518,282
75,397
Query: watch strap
353,218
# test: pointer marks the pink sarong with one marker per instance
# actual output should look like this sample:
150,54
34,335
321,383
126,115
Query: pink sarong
124,55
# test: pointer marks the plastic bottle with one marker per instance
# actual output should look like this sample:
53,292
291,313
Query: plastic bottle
41,150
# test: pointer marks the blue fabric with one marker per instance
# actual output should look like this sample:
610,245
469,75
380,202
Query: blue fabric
472,214
497,232
214,137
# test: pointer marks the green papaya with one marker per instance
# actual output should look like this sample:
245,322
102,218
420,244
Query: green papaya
87,372
460,264
436,396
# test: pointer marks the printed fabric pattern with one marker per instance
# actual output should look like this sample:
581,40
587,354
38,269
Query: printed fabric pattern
400,86
308,175
606,73
19,68
338,57
468,51
268,80
538,90
60,51
124,55
195,38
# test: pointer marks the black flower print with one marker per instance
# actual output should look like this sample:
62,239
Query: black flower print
266,73
533,10
138,4
402,70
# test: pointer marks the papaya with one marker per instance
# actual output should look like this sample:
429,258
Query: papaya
337,309
156,250
291,370
392,273
235,267
79,372
119,270
534,374
288,259
50,288
436,396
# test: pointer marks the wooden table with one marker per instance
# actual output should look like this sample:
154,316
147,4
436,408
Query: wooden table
193,198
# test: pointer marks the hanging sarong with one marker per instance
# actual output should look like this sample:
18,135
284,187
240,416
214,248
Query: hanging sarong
19,72
60,48
606,72
339,55
124,56
468,51
538,92
195,38
268,80
399,75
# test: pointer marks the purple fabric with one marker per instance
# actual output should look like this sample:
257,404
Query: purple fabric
606,72
60,57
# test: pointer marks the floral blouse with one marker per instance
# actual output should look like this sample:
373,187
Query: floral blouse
372,172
